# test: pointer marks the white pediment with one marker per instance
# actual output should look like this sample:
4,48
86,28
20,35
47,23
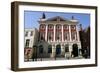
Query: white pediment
57,18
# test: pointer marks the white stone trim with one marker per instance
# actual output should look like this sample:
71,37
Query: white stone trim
78,38
46,32
54,32
70,32
62,34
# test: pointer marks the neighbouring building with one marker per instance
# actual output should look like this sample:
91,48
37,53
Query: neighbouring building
85,41
57,37
30,39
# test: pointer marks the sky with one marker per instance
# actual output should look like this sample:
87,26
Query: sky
31,18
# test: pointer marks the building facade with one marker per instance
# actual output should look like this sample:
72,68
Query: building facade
31,38
58,37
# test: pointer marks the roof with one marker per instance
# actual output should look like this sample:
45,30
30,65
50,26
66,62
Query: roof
55,18
58,18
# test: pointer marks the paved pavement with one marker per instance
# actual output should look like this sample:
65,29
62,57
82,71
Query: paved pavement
48,59
57,58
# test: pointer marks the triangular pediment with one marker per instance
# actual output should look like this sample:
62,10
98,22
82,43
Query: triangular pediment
57,18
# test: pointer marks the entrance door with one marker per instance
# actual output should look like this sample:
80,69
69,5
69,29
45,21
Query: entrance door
75,50
58,49
50,49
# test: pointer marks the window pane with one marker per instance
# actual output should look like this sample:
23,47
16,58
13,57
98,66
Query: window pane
27,43
31,33
26,34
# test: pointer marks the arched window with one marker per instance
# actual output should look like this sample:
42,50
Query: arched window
66,36
58,26
50,26
65,26
74,35
42,36
50,32
41,49
49,35
42,26
50,49
73,27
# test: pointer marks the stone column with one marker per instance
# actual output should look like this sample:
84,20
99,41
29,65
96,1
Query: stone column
62,34
54,32
79,48
70,49
62,49
78,38
46,32
53,51
70,32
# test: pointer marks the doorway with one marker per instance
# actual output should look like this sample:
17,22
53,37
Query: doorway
75,50
58,49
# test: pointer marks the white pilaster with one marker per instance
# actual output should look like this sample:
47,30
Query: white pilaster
70,49
53,51
54,32
46,32
62,34
62,49
78,38
70,32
